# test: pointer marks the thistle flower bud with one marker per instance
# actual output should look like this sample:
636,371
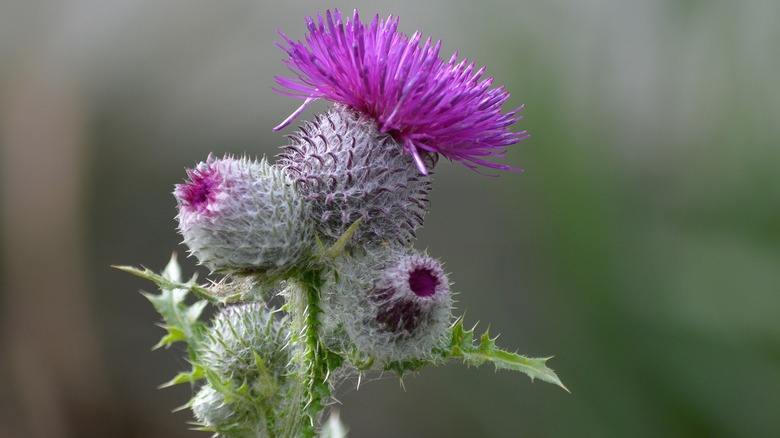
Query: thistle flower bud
347,169
252,364
241,215
247,343
394,304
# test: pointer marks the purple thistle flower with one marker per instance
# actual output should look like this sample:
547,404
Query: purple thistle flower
430,106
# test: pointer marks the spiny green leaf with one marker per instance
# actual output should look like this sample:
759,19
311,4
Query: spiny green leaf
172,270
195,310
181,320
185,377
403,367
267,386
166,283
333,360
174,335
232,392
217,383
463,347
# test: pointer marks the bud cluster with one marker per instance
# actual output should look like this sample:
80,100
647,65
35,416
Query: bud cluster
320,275
340,184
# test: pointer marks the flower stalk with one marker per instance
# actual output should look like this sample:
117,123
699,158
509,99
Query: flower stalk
303,305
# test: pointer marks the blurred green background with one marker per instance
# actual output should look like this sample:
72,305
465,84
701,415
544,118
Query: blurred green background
641,247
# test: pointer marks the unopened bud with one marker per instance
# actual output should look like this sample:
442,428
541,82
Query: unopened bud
347,169
247,343
241,215
394,304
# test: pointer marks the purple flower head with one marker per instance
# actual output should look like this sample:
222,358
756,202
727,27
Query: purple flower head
429,105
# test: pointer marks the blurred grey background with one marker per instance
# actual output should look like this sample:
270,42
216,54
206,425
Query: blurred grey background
641,247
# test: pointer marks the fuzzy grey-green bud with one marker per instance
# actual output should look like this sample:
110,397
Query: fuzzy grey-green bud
247,343
241,215
247,359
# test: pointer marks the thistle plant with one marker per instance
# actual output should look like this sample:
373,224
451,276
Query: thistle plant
318,277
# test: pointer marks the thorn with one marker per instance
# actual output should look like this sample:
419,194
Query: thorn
338,247
417,159
295,113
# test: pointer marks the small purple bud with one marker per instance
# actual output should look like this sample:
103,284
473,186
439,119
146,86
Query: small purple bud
407,290
241,215
394,303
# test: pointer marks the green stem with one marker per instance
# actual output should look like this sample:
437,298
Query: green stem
316,359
